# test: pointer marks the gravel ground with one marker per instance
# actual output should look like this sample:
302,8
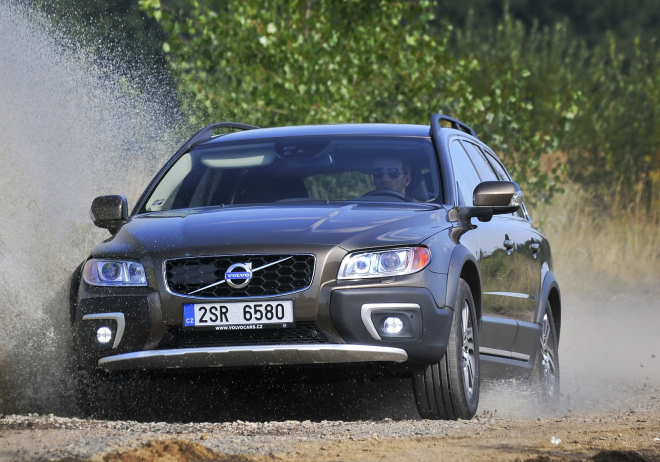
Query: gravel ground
610,410
634,432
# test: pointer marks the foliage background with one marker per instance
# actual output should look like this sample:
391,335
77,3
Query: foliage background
566,91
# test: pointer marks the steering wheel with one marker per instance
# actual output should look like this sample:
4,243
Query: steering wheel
388,192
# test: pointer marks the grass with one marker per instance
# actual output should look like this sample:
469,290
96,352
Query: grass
597,247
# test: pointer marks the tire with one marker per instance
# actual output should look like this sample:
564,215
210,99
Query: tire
103,396
545,372
93,393
88,393
449,390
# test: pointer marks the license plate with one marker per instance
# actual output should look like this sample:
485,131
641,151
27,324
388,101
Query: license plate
252,314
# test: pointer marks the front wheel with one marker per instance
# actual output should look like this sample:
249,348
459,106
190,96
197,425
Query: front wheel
449,390
89,393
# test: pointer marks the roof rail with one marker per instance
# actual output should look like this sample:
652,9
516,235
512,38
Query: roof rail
458,125
205,133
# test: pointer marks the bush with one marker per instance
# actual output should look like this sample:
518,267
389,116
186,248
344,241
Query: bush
552,108
304,62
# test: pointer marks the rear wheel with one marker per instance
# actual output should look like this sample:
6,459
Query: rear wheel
449,390
545,373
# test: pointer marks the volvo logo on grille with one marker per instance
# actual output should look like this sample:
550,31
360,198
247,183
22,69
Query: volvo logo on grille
238,275
239,279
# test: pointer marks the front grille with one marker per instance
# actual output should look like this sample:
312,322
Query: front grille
304,332
186,275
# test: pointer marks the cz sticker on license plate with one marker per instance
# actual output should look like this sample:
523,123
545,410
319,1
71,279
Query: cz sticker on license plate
239,315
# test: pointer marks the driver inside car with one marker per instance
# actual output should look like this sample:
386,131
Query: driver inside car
390,173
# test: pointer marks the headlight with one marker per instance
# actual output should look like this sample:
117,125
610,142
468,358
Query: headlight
390,262
114,273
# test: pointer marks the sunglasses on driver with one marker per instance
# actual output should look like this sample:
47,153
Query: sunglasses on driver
393,173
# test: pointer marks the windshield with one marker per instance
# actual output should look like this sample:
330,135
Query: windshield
348,168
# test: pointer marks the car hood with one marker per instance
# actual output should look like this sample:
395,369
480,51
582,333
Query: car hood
215,229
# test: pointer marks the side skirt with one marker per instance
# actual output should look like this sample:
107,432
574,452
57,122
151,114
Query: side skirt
496,367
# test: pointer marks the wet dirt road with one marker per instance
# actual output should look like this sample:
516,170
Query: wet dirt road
610,410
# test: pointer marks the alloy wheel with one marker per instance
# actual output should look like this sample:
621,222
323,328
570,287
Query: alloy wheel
468,353
548,371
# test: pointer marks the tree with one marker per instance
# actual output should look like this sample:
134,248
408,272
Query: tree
302,62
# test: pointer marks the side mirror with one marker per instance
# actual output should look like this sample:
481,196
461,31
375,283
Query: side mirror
110,212
503,196
490,198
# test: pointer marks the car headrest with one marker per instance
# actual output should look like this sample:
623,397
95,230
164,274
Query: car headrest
417,189
260,188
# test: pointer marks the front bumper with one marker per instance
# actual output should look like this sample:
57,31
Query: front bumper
274,355
348,316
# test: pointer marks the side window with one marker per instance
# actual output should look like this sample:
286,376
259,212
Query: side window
484,169
464,173
504,175
499,170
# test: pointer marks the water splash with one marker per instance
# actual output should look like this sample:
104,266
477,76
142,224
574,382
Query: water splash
70,129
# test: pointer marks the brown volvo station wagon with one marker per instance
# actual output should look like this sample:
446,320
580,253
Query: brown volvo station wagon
406,247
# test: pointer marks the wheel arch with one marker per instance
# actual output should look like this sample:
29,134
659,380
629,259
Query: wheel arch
463,265
555,306
74,287
552,294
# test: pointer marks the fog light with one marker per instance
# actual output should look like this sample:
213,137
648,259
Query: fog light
103,335
393,325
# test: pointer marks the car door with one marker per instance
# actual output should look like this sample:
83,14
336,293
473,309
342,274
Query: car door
528,244
528,282
495,253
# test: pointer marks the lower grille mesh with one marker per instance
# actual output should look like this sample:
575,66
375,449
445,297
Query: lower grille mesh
304,332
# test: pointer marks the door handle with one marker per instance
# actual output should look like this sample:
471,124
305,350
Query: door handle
509,244
534,247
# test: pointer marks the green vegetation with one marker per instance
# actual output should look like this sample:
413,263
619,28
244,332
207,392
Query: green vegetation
563,91
552,107
272,63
